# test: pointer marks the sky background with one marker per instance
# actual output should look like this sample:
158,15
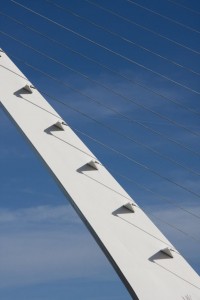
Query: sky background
128,80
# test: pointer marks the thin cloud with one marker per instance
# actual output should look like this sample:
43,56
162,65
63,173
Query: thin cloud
46,243
188,244
45,213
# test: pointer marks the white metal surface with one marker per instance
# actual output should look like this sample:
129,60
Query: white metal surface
132,243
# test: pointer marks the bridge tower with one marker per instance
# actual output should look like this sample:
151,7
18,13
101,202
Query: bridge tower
147,263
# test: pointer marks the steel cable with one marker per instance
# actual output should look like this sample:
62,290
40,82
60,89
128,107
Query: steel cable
140,164
109,127
163,16
113,150
110,50
102,65
147,168
143,27
128,179
176,228
110,108
185,7
132,101
75,14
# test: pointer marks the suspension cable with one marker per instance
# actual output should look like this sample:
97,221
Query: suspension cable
112,109
124,177
75,14
140,84
141,26
163,16
185,7
110,148
111,128
144,166
178,125
110,50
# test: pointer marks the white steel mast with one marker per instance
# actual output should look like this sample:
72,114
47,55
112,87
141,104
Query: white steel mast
147,263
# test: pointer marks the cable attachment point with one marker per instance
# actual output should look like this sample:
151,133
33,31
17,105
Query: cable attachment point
130,206
1,51
94,164
60,125
168,251
29,88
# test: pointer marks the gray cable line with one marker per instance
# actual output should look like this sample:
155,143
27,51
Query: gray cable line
163,16
141,26
113,150
116,173
110,108
155,193
110,50
139,164
102,65
161,220
148,168
137,104
148,212
69,11
118,132
110,148
109,127
134,102
185,7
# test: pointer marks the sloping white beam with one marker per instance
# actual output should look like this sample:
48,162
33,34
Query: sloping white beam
132,243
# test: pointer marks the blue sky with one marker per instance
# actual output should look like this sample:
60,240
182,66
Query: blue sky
46,252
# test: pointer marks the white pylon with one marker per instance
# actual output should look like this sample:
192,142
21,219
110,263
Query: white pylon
148,264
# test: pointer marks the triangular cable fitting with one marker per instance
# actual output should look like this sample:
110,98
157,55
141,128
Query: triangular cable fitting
168,252
94,164
130,206
28,88
60,125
